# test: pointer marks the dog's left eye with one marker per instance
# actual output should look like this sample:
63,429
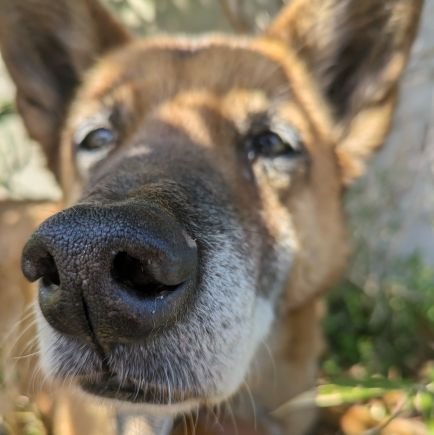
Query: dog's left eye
97,139
270,144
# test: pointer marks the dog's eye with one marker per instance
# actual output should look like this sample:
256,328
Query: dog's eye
270,144
97,139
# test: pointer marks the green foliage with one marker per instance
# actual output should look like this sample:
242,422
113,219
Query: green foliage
194,16
388,327
411,399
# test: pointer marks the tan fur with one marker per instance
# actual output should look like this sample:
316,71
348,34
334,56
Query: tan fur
208,99
17,338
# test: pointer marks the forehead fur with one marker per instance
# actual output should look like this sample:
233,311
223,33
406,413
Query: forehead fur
149,72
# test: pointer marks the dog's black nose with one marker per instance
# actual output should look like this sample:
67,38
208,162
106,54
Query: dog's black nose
115,272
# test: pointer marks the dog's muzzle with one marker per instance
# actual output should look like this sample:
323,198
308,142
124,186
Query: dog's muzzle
112,274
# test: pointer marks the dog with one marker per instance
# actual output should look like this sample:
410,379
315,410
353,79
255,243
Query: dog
203,180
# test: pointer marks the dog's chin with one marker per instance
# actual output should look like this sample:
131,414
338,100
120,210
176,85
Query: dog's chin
109,387
151,400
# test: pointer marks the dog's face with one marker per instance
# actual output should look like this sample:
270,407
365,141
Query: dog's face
219,154
206,177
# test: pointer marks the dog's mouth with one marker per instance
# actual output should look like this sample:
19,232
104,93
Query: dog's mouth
111,387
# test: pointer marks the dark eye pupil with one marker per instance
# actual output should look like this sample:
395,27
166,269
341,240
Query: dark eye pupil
268,144
97,139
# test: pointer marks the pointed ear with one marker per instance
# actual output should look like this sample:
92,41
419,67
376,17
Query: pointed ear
356,51
47,45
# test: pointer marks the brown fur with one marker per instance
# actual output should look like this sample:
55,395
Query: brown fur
328,68
17,222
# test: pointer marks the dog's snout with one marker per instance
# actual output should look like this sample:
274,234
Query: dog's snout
114,273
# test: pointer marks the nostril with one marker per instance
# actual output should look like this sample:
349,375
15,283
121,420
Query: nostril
135,275
37,262
49,271
43,266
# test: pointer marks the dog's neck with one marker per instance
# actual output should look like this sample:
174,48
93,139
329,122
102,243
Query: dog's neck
284,368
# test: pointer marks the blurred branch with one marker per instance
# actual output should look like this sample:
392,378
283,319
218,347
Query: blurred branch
234,11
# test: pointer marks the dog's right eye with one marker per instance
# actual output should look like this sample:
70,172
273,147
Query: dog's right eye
97,139
92,146
280,142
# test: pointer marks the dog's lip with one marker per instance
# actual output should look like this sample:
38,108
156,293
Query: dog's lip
111,387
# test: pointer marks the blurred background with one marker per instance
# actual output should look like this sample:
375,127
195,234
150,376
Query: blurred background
380,327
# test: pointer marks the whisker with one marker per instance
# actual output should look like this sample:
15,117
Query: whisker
9,350
252,403
36,372
215,417
184,424
27,312
232,417
193,425
19,324
18,358
31,343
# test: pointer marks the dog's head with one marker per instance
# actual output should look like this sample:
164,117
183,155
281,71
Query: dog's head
206,176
